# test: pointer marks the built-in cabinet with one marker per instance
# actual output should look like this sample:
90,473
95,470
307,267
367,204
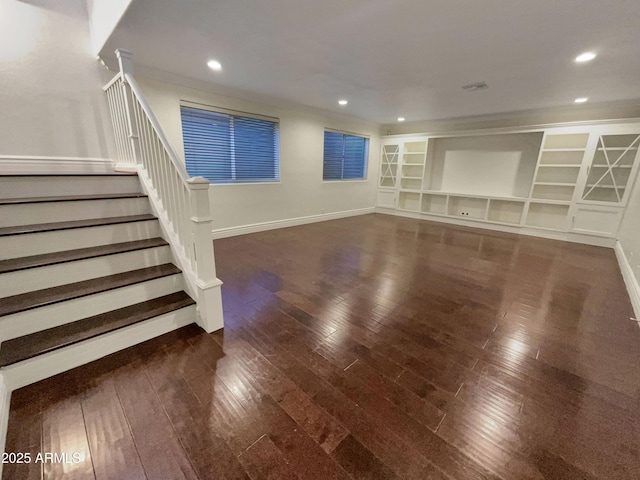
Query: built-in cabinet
573,179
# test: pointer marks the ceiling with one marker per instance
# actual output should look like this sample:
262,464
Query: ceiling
406,58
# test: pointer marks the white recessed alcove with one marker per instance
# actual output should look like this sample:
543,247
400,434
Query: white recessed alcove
492,165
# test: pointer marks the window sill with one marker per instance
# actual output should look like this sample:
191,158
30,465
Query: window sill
243,183
346,181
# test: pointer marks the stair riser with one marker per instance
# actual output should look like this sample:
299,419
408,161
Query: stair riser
23,281
31,321
50,186
47,365
49,212
15,246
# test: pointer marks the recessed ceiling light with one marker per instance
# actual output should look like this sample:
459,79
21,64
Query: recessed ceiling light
581,100
401,119
343,102
214,65
585,57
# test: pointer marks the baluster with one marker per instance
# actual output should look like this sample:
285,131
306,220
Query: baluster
114,121
172,191
119,116
143,160
147,144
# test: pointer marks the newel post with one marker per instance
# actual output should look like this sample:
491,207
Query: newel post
125,63
209,294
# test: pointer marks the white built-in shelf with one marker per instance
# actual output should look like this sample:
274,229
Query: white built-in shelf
567,158
617,149
459,194
553,192
556,184
412,178
566,142
564,150
505,211
408,200
547,215
551,201
612,166
559,165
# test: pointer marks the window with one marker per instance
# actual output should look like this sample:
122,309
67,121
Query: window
229,148
345,156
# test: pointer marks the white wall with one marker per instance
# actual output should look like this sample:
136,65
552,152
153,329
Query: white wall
629,237
51,84
301,191
575,113
500,165
104,16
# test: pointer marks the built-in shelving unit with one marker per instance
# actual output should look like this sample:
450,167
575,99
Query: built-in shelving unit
561,179
435,204
561,158
409,201
547,215
413,161
505,211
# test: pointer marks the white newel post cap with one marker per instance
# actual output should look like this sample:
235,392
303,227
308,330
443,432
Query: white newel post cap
125,61
198,183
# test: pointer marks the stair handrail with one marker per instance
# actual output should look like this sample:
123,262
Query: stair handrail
181,202
177,164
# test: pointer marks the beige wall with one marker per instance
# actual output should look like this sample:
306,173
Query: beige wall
104,16
301,191
629,234
51,84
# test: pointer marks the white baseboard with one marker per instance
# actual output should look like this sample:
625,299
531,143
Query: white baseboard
594,240
5,400
290,222
630,280
24,165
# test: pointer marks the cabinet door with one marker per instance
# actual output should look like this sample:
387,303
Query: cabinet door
389,165
612,168
597,220
386,198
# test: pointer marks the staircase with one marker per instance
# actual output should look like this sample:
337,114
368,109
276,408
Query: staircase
84,272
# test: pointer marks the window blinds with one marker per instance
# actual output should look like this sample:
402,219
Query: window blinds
227,148
345,156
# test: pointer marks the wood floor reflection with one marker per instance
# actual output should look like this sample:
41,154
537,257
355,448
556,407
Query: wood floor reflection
369,347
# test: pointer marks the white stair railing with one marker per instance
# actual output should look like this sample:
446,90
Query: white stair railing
181,202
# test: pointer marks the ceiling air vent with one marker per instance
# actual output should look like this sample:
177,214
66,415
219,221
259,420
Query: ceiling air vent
472,87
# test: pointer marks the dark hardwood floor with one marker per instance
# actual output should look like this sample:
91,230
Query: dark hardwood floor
369,347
